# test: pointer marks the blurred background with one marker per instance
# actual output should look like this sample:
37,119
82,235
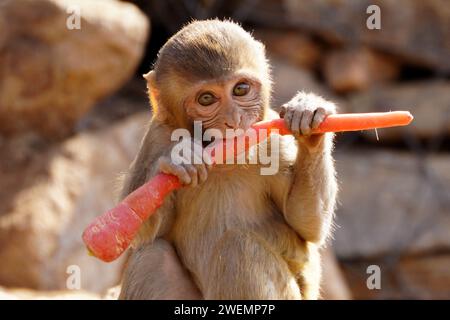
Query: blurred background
73,108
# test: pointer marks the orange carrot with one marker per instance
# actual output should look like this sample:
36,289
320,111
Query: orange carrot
365,121
347,122
110,234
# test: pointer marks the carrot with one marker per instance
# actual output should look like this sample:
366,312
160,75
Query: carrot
365,121
110,234
347,122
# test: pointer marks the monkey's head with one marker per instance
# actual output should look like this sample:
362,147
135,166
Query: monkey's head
211,71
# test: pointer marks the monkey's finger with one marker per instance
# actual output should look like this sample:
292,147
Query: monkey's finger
202,172
295,124
207,160
176,170
319,115
197,157
305,125
199,164
288,117
203,159
192,171
283,110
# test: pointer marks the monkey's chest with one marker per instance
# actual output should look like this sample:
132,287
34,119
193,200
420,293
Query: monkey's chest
228,199
237,202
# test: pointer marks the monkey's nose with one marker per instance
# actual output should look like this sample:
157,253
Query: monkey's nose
234,121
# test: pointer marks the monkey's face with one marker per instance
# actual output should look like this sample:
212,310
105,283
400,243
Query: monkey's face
233,102
214,72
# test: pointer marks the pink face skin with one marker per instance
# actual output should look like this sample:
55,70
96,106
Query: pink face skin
230,103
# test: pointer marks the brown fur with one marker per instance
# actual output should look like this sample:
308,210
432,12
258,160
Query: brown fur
239,234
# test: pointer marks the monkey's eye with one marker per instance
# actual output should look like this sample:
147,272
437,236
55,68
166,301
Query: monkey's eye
241,89
206,99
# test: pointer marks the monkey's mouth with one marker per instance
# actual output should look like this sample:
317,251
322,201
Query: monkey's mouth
226,133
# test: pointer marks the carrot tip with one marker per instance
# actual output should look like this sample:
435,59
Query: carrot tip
410,117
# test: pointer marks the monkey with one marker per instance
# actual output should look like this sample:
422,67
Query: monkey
231,232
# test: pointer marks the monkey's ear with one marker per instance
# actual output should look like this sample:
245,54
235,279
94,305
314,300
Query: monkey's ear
151,83
153,92
150,77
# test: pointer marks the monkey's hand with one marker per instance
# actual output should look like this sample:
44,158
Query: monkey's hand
304,113
191,167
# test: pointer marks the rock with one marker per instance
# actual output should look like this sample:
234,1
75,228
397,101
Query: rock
289,79
334,286
49,195
50,76
172,15
429,102
423,277
416,30
290,45
390,202
358,69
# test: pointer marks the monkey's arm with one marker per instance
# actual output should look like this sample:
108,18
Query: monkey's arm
308,200
306,192
156,143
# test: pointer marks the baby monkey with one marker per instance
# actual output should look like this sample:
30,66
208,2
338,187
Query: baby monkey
230,233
